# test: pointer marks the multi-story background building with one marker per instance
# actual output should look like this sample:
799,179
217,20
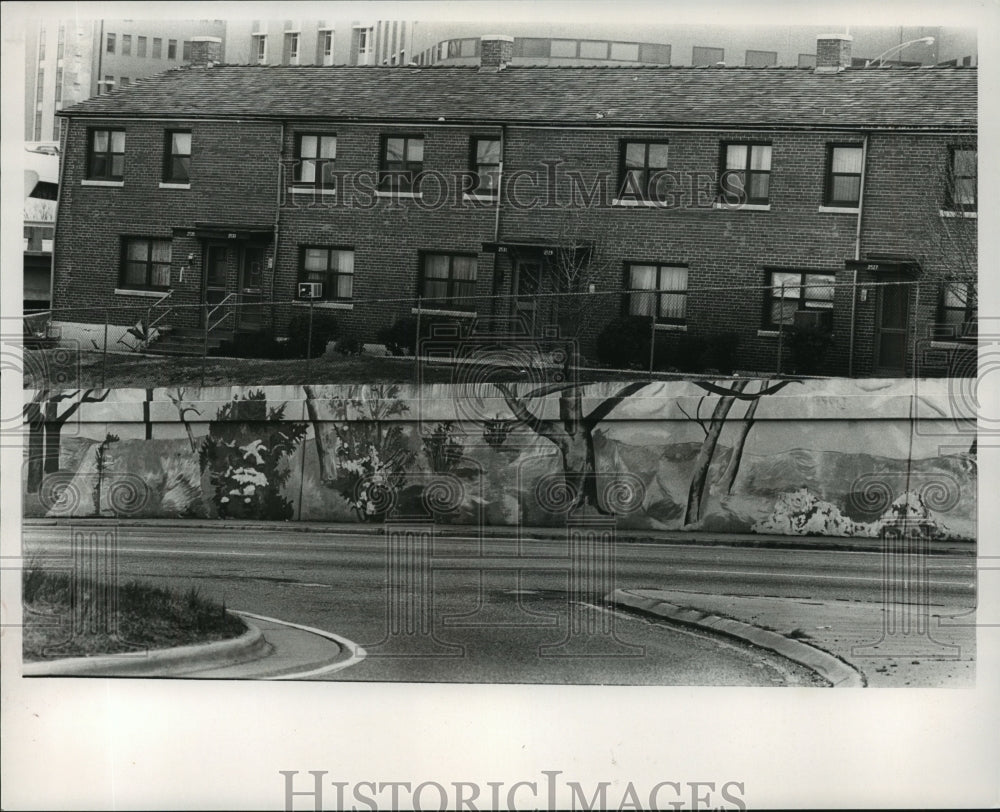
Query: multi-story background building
319,42
69,60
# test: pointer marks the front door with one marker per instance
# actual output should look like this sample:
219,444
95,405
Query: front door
251,285
527,285
218,279
892,327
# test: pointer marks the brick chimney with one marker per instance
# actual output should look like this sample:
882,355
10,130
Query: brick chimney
833,52
205,51
496,51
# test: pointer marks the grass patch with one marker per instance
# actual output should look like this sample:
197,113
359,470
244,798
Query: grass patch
47,367
147,617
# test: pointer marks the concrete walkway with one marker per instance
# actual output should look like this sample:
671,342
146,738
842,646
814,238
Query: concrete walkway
904,646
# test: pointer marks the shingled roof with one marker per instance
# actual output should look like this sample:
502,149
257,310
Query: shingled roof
609,96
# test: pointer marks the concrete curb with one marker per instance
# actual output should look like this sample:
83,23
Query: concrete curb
248,646
837,672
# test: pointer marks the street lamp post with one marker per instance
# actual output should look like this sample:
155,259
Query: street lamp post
880,59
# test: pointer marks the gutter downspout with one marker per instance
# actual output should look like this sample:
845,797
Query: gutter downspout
496,221
857,256
100,60
277,215
55,223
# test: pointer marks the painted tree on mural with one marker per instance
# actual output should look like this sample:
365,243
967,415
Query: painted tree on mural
572,434
46,418
327,459
246,455
372,452
183,408
728,395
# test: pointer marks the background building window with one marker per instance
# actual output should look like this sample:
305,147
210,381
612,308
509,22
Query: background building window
591,49
654,54
126,45
659,291
140,46
707,56
448,281
532,46
958,311
146,264
962,195
177,157
332,267
171,49
291,49
807,60
260,48
796,290
625,51
186,51
124,81
111,43
843,176
316,160
326,47
641,166
563,48
402,161
746,173
106,155
157,48
486,165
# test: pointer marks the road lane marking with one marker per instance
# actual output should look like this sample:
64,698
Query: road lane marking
357,653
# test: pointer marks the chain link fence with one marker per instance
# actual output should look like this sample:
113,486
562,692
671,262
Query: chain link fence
795,327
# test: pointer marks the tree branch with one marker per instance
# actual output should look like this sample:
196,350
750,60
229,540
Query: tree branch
604,408
521,412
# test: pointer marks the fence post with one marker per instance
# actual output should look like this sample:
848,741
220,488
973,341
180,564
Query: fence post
416,338
652,333
781,325
104,348
204,353
309,341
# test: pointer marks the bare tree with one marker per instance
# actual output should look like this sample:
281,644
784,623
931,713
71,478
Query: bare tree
573,434
183,407
696,501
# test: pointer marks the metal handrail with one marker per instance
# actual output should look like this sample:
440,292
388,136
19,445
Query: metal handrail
149,313
208,318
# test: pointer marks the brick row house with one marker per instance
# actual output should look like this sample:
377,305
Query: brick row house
710,199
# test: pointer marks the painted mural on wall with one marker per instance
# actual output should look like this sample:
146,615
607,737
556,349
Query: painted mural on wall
840,458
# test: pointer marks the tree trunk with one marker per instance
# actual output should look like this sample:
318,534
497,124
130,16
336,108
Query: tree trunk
36,440
733,468
53,429
696,494
327,462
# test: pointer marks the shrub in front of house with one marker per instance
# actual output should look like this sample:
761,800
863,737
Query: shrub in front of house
400,337
697,353
624,342
324,330
808,347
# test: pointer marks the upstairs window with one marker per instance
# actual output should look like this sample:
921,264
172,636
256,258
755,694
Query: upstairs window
177,156
157,48
140,46
958,311
642,166
962,193
402,162
448,281
316,157
746,174
145,263
485,155
843,175
186,51
111,43
796,290
126,45
659,291
171,49
106,155
331,267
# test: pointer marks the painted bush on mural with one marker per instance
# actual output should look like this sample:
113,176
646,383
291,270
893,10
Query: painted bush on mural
246,457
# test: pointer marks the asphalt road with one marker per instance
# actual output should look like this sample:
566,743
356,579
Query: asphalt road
496,611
